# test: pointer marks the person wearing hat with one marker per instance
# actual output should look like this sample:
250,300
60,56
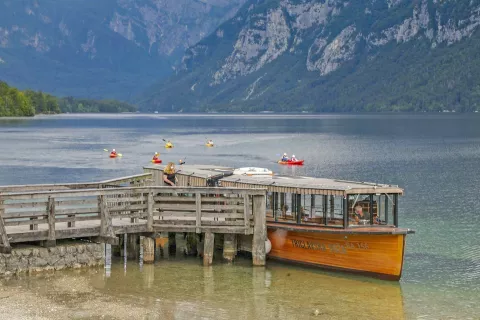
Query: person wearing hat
285,157
293,158
113,153
155,156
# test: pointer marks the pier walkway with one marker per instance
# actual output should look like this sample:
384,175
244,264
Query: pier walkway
102,211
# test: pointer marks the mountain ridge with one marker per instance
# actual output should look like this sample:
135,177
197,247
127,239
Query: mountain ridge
331,55
100,49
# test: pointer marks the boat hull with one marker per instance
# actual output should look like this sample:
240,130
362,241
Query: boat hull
378,255
292,163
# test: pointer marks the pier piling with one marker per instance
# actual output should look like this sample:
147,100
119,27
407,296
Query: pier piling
148,250
208,248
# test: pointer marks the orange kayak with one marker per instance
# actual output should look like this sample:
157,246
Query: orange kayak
157,161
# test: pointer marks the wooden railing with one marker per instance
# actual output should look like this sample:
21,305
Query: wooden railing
144,179
103,213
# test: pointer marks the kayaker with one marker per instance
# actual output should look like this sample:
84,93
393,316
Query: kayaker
168,144
181,161
210,142
169,174
285,157
113,153
155,156
293,158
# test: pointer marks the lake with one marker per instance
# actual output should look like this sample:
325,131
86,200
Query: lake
434,157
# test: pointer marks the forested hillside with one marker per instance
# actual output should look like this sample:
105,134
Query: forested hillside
17,103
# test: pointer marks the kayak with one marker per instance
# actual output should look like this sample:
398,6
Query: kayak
209,144
113,155
168,146
157,161
252,171
298,162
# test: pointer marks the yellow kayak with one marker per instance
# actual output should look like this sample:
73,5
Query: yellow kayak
168,146
209,144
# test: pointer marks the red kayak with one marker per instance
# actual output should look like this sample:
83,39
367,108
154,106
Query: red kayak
297,162
113,155
157,161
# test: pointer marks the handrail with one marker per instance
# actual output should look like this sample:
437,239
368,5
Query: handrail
111,191
86,185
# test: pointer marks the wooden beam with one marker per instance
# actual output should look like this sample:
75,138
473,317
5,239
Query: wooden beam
114,241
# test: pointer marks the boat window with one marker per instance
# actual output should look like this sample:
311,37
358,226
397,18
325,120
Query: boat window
362,210
371,209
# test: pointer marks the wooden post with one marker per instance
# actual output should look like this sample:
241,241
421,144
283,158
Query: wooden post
332,207
172,244
107,234
5,245
50,242
312,206
229,250
293,206
246,213
150,212
259,230
132,246
148,250
275,206
324,203
395,210
208,248
282,203
298,208
198,207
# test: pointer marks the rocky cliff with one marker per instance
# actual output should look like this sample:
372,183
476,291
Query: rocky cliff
333,55
107,48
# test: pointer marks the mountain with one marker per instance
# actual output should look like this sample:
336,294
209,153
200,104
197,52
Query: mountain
97,49
332,55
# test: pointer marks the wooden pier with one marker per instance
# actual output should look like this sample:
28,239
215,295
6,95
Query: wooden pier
102,211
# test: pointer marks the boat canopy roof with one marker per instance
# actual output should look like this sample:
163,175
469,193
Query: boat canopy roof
282,183
308,185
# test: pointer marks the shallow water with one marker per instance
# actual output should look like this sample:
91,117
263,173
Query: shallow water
434,157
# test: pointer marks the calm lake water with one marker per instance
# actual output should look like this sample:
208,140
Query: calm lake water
436,158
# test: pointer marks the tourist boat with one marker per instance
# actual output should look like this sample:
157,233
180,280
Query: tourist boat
326,223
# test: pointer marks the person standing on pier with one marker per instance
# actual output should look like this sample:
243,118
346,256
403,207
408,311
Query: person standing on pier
169,174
